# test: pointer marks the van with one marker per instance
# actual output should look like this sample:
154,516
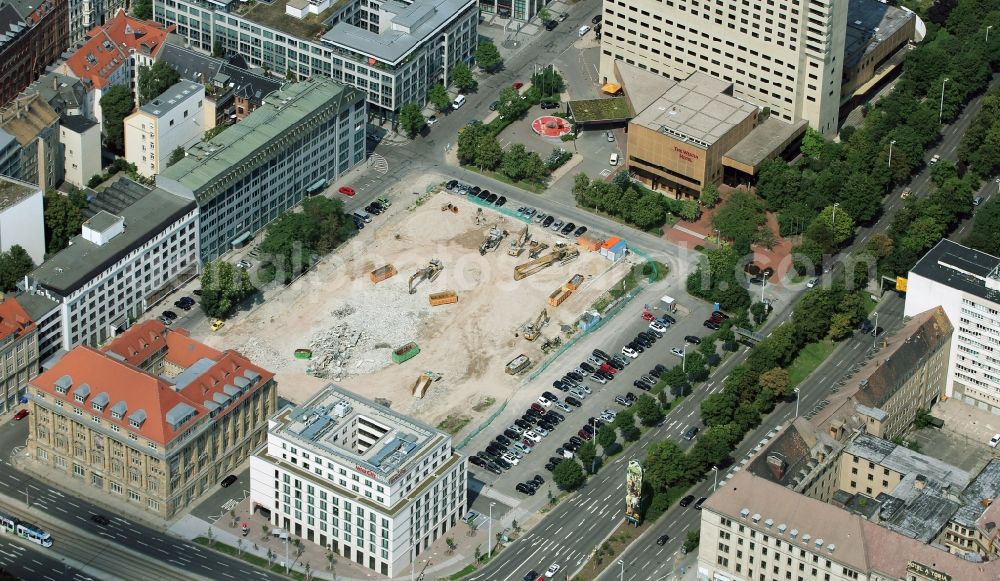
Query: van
977,201
458,102
584,30
362,215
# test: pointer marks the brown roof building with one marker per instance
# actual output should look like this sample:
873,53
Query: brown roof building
155,418
32,36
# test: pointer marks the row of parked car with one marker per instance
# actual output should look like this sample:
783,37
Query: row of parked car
566,228
457,187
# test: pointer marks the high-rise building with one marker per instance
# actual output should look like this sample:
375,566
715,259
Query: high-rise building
787,56
32,36
154,419
251,173
359,479
966,284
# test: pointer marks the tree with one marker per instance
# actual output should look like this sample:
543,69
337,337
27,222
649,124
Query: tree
154,80
218,51
521,164
63,220
741,217
469,141
488,57
116,104
759,312
587,453
985,227
451,544
223,288
691,541
776,381
710,196
838,222
812,143
411,119
489,154
438,96
647,410
606,436
176,155
631,433
624,419
569,475
462,77
143,9
664,465
544,15
14,265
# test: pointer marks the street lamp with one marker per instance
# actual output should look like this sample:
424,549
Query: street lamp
796,402
875,332
988,33
763,283
941,106
489,539
684,357
891,143
593,463
833,219
622,563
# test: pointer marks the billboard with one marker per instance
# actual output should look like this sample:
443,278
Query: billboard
901,284
633,492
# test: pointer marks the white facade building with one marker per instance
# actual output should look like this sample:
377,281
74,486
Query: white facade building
115,269
966,283
81,147
371,485
22,220
174,119
86,14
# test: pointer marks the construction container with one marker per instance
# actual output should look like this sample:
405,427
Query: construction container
380,274
559,296
517,364
608,244
589,243
573,283
406,352
421,385
443,298
615,252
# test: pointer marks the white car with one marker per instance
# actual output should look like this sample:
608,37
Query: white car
607,417
544,401
613,160
934,159
511,458
812,282
656,326
531,435
994,440
564,407
599,379
578,393
677,351
610,412
626,350
541,431
552,570
515,453
515,428
522,448
583,30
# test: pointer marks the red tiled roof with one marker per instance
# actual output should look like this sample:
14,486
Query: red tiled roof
108,47
122,380
14,320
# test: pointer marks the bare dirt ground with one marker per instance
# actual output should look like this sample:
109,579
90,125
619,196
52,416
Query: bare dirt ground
337,309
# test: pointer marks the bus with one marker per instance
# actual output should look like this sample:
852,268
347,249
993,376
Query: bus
9,524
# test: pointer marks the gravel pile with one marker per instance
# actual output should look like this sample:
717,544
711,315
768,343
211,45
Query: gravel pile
261,353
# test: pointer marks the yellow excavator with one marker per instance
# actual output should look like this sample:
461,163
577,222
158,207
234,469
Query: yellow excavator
430,272
562,254
518,244
533,330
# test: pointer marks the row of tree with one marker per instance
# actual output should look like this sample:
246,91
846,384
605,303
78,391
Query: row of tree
296,239
478,146
630,201
980,151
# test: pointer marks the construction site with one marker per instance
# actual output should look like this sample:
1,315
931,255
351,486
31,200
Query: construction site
429,308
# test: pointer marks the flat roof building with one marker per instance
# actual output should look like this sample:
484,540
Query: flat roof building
966,284
22,220
371,485
175,119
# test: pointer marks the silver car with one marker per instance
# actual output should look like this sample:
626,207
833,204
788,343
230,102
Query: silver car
556,225
578,393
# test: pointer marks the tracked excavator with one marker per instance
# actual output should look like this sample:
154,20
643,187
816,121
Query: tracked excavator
562,253
533,330
430,272
493,240
518,244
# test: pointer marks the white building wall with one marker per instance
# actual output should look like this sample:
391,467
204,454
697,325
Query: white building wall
23,224
82,154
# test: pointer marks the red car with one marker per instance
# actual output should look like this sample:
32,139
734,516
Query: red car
608,368
346,190
517,84
584,435
647,316
21,415
537,407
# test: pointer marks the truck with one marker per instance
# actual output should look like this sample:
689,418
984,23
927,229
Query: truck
361,214
669,304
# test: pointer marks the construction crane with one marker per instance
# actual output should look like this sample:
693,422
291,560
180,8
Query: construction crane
430,272
492,240
517,245
561,254
533,330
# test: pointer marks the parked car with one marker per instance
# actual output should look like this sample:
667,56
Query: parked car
564,407
551,25
630,351
691,433
228,481
524,490
573,401
692,339
548,221
595,19
567,229
556,225
580,231
21,414
712,325
701,501
346,190
549,105
686,500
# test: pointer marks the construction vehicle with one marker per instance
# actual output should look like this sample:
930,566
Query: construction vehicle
382,273
480,218
406,352
550,344
531,331
536,248
561,254
517,245
430,273
492,241
443,298
573,283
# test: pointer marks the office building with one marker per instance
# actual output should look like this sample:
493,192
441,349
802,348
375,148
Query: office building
174,119
966,284
117,267
18,352
154,419
32,36
790,57
259,168
369,484
232,91
35,156
391,50
22,219
112,55
80,138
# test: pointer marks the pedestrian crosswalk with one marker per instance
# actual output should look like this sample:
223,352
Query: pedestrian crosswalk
378,163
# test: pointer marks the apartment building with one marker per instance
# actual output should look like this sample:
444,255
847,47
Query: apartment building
22,220
116,268
174,119
367,483
84,15
391,50
34,34
966,284
154,419
112,55
80,138
34,156
790,57
18,352
259,168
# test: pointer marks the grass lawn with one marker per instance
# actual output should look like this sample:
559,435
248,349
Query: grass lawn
808,360
611,109
529,186
453,424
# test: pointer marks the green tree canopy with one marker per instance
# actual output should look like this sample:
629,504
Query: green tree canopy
741,217
142,9
438,96
223,288
116,104
521,164
63,220
606,436
665,465
176,155
411,119
648,410
569,475
710,195
14,265
469,140
586,453
462,77
488,57
154,80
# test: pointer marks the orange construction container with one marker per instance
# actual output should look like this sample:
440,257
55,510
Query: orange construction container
610,242
589,243
380,274
573,283
443,298
558,296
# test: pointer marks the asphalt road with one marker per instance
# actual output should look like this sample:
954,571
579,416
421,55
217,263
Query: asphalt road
125,549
